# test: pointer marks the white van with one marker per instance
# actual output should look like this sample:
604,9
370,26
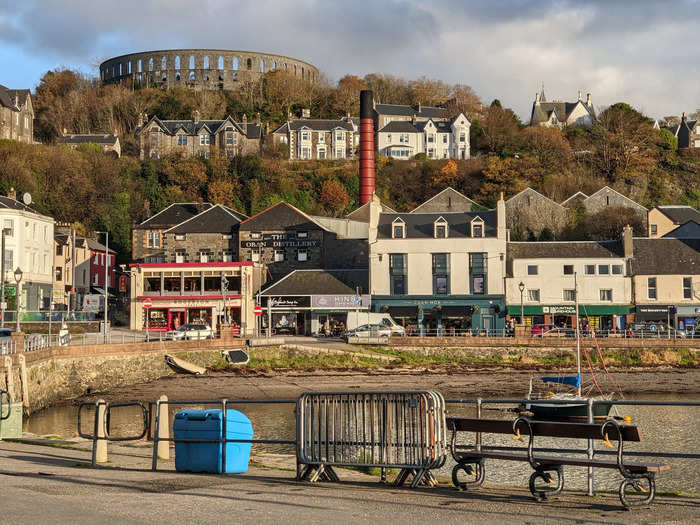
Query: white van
356,319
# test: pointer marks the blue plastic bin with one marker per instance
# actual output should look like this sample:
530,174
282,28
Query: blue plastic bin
206,457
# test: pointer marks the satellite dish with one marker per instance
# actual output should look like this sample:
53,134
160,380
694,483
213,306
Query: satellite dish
27,199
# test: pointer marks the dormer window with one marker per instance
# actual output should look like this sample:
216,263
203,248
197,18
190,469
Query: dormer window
398,229
477,227
440,228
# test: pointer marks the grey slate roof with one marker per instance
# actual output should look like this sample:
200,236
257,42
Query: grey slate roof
13,204
89,138
217,219
680,214
448,200
408,111
7,96
175,214
362,213
399,126
315,125
280,216
687,230
251,130
421,225
561,250
542,112
321,282
666,256
96,246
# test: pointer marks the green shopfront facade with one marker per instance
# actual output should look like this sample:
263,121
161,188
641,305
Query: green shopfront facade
443,315
597,316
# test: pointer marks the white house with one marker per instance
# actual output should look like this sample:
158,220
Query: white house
560,114
29,245
438,139
439,270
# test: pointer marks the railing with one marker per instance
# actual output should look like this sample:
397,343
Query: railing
56,316
555,333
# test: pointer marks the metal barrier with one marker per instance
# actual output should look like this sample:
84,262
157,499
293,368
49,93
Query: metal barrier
392,429
6,394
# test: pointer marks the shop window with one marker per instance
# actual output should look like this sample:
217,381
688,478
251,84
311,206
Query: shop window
606,295
193,284
151,284
687,287
279,255
398,270
441,274
533,296
478,273
440,228
303,255
532,269
398,229
172,285
568,269
212,284
617,269
569,295
603,269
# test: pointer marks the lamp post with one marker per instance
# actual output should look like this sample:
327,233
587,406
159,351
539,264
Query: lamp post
3,304
106,278
18,278
521,287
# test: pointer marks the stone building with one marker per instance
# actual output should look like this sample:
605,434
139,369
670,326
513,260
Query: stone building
205,138
210,236
286,239
448,200
437,139
662,220
606,197
147,237
16,115
200,69
318,139
530,213
107,141
688,133
559,114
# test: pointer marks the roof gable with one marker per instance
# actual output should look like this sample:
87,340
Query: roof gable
280,216
680,214
605,189
448,200
579,196
217,219
174,214
527,190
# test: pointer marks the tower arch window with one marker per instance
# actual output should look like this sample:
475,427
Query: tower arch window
164,62
234,65
139,66
262,65
249,64
191,76
129,67
177,76
177,62
220,64
206,62
274,65
150,64
191,62
120,69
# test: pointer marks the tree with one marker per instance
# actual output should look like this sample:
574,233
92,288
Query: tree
607,224
347,95
548,146
497,132
464,100
334,196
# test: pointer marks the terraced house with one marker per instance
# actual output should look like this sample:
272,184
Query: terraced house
205,138
318,138
16,115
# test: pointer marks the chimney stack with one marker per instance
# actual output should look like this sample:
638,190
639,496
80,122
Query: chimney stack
366,146
628,242
588,99
245,119
537,98
579,94
501,217
196,116
12,194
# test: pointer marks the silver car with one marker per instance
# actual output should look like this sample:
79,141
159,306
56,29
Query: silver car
192,331
369,330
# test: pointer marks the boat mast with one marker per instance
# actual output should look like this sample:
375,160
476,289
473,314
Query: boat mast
578,337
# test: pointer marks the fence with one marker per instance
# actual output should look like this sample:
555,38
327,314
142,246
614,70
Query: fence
554,333
55,316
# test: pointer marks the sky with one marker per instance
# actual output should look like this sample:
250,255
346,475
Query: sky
645,53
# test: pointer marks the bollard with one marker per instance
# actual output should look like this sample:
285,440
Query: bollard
25,383
99,447
163,429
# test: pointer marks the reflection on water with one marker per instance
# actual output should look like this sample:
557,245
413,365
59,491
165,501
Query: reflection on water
663,429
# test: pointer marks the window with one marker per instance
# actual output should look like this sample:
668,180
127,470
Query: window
182,140
279,255
59,249
321,153
229,138
305,135
533,296
606,294
59,273
234,65
97,259
155,138
603,269
153,239
321,136
227,236
590,269
339,135
570,295
444,139
441,228
398,229
568,269
303,255
441,274
431,137
305,153
255,256
228,256
477,227
397,273
477,273
462,137
302,235
617,269
8,258
203,256
431,153
339,153
202,139
687,288
256,235
532,269
388,138
9,224
651,288
95,279
180,236
654,229
403,137
179,257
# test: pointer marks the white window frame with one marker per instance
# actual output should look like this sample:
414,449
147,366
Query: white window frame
570,292
606,294
480,222
179,257
180,236
302,235
398,222
533,295
255,256
303,255
440,222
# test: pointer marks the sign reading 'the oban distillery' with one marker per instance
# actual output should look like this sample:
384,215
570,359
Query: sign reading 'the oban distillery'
281,240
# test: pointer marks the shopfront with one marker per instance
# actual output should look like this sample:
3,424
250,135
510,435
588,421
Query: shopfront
593,317
688,317
444,315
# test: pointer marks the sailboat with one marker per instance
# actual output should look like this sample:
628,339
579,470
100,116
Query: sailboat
576,406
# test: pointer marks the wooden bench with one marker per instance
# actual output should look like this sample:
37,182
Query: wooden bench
471,458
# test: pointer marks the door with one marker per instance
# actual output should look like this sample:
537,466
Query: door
487,323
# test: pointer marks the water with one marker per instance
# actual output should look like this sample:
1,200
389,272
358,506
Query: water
663,429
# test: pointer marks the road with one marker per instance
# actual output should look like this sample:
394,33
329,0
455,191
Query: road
42,484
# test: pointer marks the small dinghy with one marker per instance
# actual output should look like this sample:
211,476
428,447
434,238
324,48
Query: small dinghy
183,367
236,357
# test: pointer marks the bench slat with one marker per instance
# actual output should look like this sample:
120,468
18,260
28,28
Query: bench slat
562,429
568,460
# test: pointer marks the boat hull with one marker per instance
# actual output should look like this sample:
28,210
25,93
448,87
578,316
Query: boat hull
574,410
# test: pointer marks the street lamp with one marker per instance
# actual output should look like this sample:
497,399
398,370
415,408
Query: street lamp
18,278
106,278
521,287
3,304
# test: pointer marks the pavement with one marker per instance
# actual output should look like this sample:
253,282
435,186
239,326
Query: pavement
50,481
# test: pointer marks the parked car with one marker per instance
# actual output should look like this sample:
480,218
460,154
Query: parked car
5,340
369,330
192,331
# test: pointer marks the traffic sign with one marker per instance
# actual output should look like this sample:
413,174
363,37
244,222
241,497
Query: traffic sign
257,310
147,303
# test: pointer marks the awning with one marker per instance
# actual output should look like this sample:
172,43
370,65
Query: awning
101,291
566,309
